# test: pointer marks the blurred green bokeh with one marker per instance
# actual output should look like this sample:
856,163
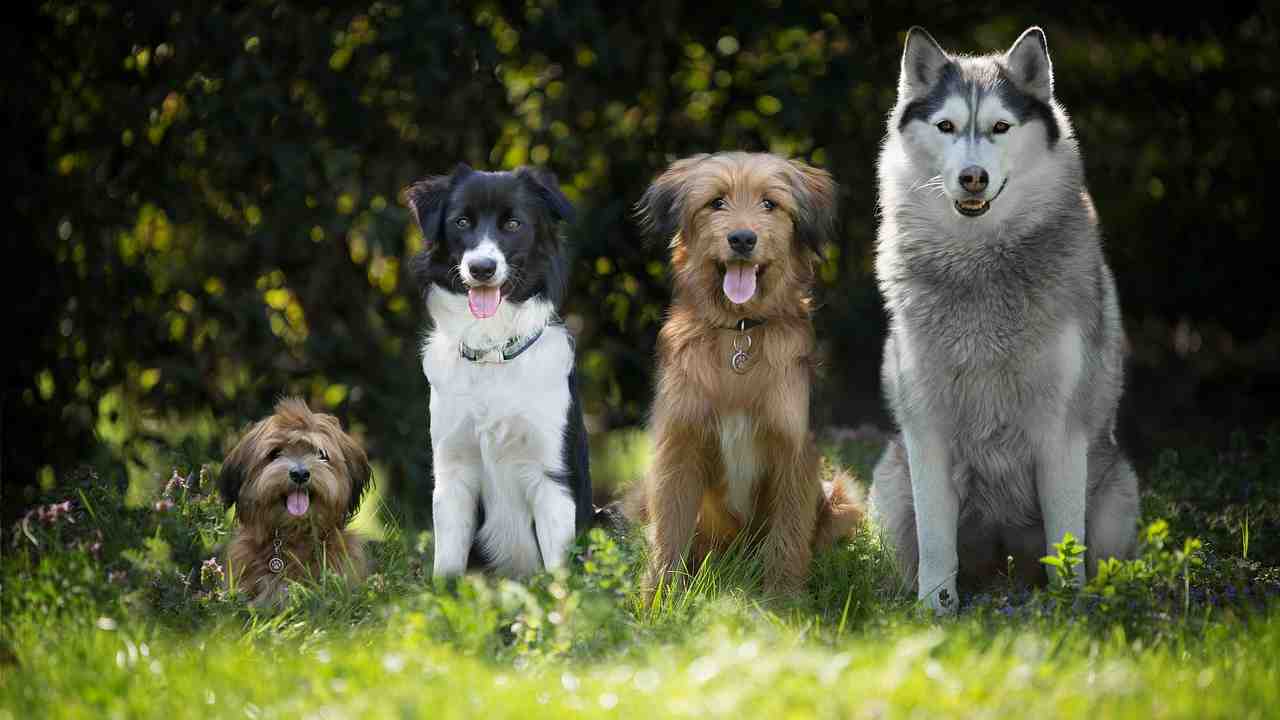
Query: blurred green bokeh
209,215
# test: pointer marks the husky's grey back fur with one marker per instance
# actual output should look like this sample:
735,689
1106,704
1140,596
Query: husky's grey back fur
1000,324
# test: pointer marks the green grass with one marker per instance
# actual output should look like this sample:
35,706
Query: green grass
1191,629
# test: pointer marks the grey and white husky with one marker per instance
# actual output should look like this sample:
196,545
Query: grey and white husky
1004,361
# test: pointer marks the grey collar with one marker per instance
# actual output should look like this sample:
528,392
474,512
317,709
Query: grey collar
509,350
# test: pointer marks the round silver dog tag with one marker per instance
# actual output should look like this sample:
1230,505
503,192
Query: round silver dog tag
275,565
738,361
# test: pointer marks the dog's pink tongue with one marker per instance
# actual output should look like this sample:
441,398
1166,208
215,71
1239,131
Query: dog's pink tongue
483,301
298,502
740,282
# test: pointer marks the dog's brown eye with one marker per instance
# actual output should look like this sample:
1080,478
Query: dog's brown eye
275,453
718,204
463,223
324,456
768,204
511,225
946,126
1000,128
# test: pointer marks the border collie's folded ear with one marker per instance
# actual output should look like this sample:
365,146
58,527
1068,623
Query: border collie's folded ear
815,217
660,211
547,186
238,463
426,199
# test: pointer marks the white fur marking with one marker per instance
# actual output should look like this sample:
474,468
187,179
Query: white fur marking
1069,358
741,466
487,249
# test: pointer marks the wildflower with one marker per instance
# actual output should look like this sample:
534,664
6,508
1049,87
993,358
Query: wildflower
211,572
176,482
163,505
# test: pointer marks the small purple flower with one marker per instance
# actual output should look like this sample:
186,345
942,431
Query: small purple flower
175,483
211,572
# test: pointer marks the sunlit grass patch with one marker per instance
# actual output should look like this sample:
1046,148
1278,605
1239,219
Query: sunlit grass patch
100,611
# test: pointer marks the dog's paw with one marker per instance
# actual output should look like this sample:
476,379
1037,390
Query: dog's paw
944,601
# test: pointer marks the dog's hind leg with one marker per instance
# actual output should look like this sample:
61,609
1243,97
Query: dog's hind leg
894,511
1113,505
1062,487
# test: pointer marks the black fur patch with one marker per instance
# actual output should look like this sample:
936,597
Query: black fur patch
1028,108
576,459
950,82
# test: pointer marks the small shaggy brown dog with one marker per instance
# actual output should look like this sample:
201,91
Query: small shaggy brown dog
730,421
296,480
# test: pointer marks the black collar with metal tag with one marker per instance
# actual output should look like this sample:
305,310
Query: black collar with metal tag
510,350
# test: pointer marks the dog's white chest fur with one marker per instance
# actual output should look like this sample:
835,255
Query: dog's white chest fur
741,464
497,432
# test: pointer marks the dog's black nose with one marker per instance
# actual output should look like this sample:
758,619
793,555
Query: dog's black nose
974,179
483,268
742,241
300,475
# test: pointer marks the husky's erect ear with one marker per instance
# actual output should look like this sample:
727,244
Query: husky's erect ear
238,463
815,215
547,187
660,211
1029,64
922,62
426,199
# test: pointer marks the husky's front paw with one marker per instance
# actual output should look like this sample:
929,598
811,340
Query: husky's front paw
942,598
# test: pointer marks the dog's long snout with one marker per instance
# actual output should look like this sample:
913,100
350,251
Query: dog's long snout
483,268
974,179
742,241
299,475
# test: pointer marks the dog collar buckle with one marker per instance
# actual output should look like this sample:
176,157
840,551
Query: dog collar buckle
499,354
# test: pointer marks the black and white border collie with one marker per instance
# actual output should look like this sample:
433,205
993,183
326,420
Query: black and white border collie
509,450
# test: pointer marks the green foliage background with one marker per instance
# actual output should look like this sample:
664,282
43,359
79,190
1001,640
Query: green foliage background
207,211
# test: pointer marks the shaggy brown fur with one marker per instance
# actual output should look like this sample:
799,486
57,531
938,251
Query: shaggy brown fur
688,496
256,477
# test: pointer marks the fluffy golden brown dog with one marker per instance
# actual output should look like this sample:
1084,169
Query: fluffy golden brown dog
296,480
730,420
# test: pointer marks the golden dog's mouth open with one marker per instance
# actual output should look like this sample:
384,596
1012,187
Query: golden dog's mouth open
739,279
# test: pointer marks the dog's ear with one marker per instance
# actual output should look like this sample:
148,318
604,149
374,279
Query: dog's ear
1029,63
816,204
922,62
238,463
544,184
660,211
426,199
358,469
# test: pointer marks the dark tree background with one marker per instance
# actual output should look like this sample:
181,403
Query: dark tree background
208,215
